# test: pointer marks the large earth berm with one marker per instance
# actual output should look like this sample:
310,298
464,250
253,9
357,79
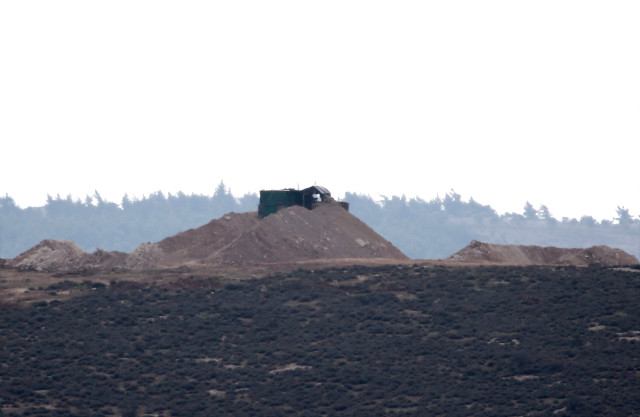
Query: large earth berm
292,234
495,254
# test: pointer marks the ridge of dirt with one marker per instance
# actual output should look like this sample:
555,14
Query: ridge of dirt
497,254
292,234
49,255
295,233
205,241
65,256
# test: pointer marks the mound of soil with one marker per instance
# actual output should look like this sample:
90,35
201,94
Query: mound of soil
295,233
292,234
494,254
65,256
49,255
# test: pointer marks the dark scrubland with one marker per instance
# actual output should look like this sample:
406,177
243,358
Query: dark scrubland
354,341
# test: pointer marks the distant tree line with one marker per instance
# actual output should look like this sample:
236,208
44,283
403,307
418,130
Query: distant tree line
421,229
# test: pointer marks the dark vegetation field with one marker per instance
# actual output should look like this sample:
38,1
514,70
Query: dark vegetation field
449,341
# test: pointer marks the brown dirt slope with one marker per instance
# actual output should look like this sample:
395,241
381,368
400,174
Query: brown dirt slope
290,235
297,234
65,256
193,245
494,254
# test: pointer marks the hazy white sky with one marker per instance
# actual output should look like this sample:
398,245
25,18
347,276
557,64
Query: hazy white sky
503,101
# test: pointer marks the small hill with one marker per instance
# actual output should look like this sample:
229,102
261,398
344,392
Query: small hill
64,256
50,255
495,254
290,235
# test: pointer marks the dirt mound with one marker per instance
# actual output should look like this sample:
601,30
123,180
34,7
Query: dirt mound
495,254
65,256
146,256
104,260
298,234
292,234
49,255
204,242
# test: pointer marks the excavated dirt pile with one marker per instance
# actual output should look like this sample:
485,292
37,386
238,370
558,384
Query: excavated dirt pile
494,254
292,234
64,256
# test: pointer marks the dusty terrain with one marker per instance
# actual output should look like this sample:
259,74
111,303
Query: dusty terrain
239,246
493,254
395,340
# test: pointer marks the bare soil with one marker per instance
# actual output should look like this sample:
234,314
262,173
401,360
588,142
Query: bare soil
494,254
293,234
